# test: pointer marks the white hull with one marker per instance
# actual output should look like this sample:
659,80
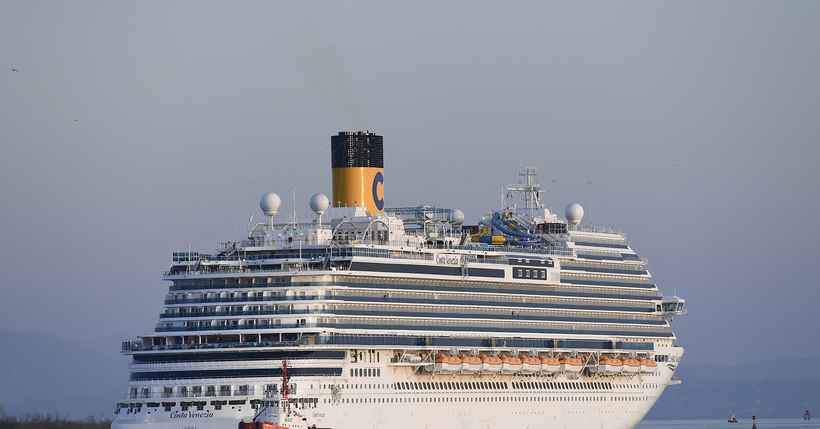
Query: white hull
621,407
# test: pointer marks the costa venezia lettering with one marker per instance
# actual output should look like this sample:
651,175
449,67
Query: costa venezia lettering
205,414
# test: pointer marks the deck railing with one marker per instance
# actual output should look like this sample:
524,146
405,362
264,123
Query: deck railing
416,341
389,250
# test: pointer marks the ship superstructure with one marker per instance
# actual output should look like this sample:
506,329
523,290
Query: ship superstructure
406,318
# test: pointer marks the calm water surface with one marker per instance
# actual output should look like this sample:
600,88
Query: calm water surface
723,424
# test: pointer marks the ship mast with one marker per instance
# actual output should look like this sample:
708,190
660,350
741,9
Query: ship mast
285,381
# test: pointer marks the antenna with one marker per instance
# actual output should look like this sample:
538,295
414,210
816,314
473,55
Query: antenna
528,189
293,202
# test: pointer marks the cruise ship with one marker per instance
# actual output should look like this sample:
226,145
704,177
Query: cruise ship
365,316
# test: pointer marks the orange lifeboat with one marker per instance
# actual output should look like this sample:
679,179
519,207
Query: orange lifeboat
447,363
550,365
648,366
490,363
470,364
610,365
572,365
632,366
530,364
510,364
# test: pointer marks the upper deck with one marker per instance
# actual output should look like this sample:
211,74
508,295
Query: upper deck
417,275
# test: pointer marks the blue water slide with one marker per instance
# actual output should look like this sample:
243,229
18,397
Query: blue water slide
521,237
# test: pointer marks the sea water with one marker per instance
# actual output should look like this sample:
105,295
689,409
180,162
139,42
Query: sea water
743,423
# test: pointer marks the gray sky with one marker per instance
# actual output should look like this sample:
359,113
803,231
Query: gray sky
134,129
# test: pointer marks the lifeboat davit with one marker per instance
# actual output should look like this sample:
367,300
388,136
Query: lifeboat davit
632,366
530,364
490,364
550,365
610,366
411,358
447,363
571,365
510,364
470,364
648,366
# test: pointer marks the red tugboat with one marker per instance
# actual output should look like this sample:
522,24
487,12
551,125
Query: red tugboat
277,414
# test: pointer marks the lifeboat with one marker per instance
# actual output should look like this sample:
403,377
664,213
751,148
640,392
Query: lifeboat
447,363
470,364
648,366
510,364
530,364
571,365
632,366
609,365
490,364
550,365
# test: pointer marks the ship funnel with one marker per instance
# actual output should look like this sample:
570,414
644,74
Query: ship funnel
357,159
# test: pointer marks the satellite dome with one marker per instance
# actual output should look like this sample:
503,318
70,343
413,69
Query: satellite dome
574,213
319,203
269,203
457,216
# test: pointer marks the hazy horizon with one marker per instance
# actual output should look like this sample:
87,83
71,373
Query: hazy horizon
133,130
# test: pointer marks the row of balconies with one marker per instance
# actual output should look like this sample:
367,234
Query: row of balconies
249,312
219,325
191,391
248,298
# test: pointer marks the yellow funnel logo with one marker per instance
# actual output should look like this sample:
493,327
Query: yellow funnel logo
378,201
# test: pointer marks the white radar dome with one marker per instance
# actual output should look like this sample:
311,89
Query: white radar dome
319,203
270,203
574,213
457,216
